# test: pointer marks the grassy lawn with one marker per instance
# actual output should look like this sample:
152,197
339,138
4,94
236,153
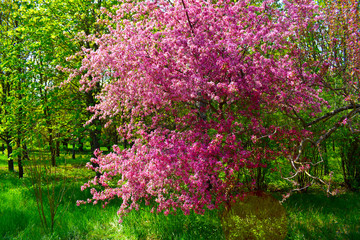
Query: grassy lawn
315,216
310,215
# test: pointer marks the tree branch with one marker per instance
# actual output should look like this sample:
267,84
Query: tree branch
331,114
187,16
336,126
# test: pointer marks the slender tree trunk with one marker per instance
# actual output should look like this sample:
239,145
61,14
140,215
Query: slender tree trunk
65,144
96,132
21,169
20,165
94,135
9,152
26,152
19,113
326,160
6,89
58,148
57,145
81,145
11,165
52,148
51,134
125,144
73,150
95,144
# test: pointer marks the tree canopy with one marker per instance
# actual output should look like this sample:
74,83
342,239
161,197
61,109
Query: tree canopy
198,83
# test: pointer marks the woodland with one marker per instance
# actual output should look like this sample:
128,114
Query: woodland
179,119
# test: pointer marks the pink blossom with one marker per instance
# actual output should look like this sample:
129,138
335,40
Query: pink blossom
192,89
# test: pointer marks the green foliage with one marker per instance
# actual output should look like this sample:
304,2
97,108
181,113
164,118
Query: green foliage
36,37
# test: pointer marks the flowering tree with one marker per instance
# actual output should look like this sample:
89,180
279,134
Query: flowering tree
201,87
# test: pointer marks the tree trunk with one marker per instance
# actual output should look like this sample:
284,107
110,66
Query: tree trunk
95,144
10,161
96,132
326,160
11,165
94,135
20,166
65,143
21,169
73,150
81,145
26,152
58,148
52,148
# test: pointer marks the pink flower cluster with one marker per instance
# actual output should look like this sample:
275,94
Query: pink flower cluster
195,83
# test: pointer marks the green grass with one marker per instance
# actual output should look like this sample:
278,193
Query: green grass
3,161
310,215
144,225
19,218
315,216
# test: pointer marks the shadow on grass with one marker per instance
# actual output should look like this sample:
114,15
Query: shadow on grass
316,216
9,180
16,211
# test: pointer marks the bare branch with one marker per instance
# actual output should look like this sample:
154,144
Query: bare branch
187,16
336,126
331,114
267,135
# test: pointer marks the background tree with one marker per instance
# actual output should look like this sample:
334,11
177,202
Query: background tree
38,36
332,52
14,84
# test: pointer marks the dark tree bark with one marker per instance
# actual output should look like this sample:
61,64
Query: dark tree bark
57,148
81,145
6,89
95,133
57,145
10,161
26,152
326,160
65,144
73,150
125,144
52,147
20,165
